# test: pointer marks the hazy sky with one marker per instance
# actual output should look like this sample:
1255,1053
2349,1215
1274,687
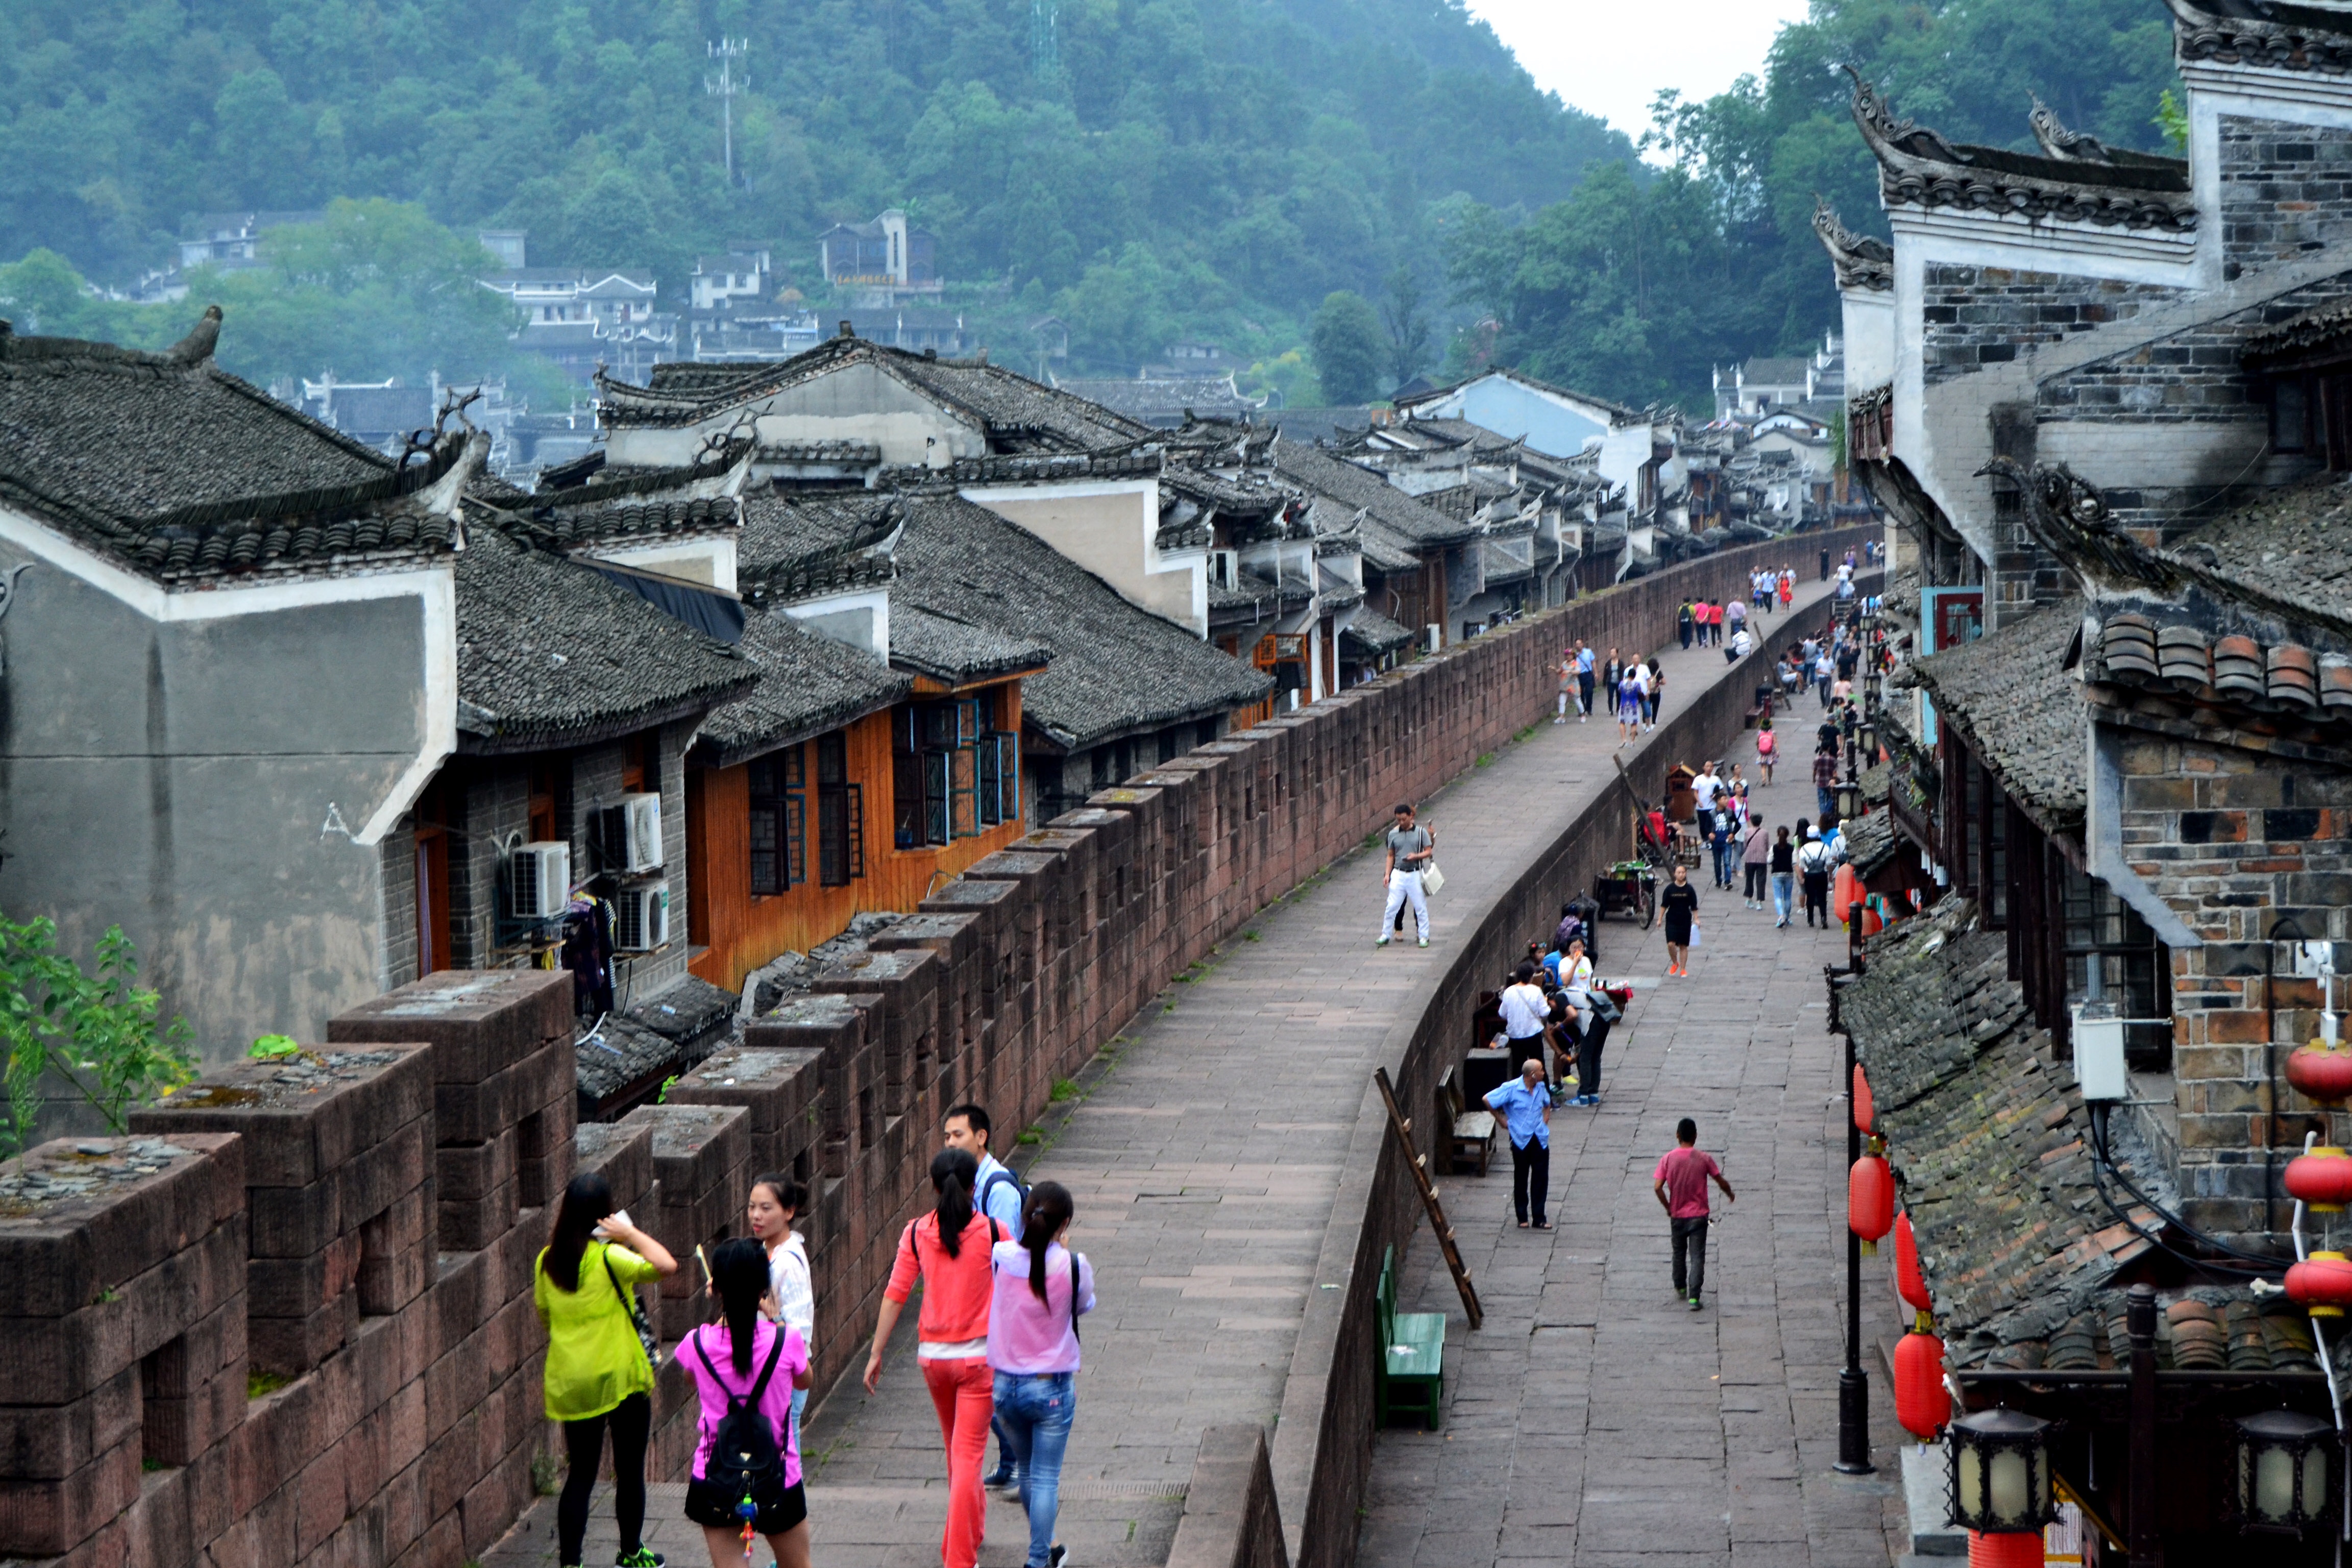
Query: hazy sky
1609,58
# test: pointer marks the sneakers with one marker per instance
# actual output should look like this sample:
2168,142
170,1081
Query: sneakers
1424,942
1059,1557
1003,1479
643,1557
1382,942
1693,1303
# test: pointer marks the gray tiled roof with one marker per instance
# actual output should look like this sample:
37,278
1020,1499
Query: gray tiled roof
1115,667
807,685
1404,518
811,542
2292,547
1375,632
944,647
623,522
550,652
182,471
1870,839
1986,1133
2009,695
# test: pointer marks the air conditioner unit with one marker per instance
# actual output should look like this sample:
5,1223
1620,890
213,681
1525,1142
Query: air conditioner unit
629,836
641,918
1434,636
539,880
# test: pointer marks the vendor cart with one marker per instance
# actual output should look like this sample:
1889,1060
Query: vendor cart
1629,888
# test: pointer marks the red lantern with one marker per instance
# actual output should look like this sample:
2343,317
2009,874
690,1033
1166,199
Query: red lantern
1870,1200
1865,1110
1910,1281
1873,921
2322,1179
1922,1404
2008,1549
2322,1283
2322,1070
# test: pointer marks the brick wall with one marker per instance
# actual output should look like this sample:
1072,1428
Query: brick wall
2236,840
1976,316
2287,190
360,1225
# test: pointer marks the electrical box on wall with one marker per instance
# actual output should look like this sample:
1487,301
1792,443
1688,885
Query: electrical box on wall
2099,1068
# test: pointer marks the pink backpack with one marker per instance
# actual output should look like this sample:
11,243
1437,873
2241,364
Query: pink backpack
1764,744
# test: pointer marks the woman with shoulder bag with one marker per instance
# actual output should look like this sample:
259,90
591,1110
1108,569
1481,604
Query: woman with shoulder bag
747,1463
947,1250
598,1374
1040,1289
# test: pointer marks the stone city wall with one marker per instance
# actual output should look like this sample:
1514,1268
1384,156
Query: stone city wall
287,1322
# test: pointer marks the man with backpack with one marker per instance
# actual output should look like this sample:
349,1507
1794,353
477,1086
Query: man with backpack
1815,862
1000,1195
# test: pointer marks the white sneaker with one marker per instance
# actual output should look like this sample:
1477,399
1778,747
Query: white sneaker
1382,942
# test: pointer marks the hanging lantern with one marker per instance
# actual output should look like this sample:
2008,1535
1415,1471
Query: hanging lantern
1910,1280
1868,738
1865,1110
2322,1284
1873,921
1922,1404
2001,1473
2321,1179
2322,1070
1870,1199
1845,893
2280,1482
2009,1549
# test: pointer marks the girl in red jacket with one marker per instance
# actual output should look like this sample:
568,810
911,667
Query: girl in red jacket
947,1250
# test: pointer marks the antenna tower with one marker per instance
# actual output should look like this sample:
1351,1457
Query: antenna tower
724,87
1045,39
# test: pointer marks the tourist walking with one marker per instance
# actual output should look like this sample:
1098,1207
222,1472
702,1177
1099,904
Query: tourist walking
1411,848
998,1193
1583,681
1704,788
948,1251
1040,1288
776,1203
1734,618
1678,903
1655,697
1629,707
1824,669
1723,841
1566,683
1813,864
1525,1010
1768,749
747,1450
1825,771
1640,672
1525,1105
1680,1181
1783,864
1788,587
598,1377
1593,1012
1683,624
1755,860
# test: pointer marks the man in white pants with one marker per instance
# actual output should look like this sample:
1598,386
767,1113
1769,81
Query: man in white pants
1409,849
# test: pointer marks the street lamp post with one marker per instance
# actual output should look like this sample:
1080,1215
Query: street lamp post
1854,1384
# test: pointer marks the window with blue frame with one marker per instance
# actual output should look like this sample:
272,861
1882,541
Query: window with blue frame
955,773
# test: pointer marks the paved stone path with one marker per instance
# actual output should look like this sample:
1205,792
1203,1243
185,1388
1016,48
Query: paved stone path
1204,1157
1595,1420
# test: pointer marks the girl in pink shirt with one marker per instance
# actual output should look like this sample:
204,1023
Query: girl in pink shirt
1041,1288
947,1250
746,1360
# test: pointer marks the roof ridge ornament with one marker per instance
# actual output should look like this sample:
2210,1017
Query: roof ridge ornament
2068,516
1875,115
2057,141
198,347
1860,261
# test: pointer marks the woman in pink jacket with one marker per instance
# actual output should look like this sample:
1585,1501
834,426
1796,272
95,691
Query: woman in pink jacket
1040,1289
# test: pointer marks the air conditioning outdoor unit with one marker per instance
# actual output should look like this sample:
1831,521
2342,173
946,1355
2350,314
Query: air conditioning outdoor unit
641,918
539,880
1434,636
629,836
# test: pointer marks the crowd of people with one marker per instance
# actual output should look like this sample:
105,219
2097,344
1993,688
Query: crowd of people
996,1340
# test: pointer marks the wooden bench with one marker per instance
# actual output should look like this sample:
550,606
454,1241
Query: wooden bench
1473,1131
1412,1356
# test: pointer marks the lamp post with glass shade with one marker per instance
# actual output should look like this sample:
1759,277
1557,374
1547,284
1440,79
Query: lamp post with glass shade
2001,1480
2279,1482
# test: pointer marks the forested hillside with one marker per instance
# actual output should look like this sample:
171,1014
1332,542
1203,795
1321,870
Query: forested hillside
1148,169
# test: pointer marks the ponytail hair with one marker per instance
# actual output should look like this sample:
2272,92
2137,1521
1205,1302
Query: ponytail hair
1048,1211
586,1201
953,1172
738,1272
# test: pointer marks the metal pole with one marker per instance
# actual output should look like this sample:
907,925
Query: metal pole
1854,1384
2139,1524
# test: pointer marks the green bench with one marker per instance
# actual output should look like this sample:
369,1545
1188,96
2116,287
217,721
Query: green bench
1412,1356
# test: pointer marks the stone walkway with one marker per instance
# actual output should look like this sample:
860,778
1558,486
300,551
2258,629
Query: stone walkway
1203,1156
1595,1419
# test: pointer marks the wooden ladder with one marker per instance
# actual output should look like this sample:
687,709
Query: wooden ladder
1418,1164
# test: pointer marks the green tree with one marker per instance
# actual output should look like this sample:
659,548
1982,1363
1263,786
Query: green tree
1351,352
98,1037
1407,324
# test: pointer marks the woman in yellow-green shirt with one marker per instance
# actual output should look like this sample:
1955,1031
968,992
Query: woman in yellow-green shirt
597,1373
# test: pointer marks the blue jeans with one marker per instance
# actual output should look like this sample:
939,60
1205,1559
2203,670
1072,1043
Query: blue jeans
1784,894
1034,1414
800,1403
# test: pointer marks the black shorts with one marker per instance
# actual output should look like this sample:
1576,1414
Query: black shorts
709,1505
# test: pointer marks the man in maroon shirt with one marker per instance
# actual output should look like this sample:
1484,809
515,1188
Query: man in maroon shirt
1681,1184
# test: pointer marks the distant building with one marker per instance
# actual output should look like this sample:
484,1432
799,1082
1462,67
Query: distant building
508,244
1762,384
882,259
582,318
226,239
720,283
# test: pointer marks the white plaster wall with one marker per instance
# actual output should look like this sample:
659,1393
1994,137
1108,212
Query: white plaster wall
710,562
1869,315
1108,527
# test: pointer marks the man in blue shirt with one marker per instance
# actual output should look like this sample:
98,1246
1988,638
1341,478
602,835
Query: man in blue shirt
1583,681
997,1193
1525,1105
